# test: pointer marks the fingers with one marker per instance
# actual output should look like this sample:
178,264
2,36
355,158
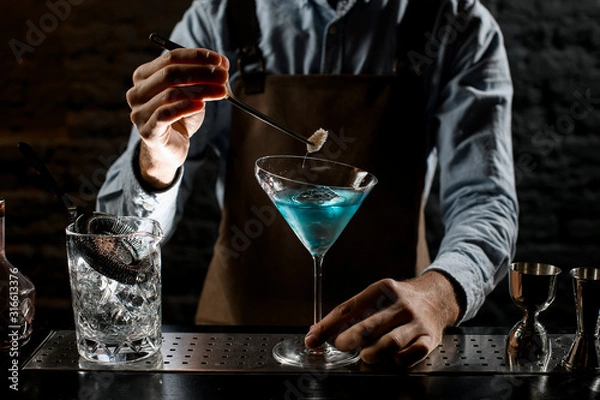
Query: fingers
179,76
414,353
180,56
167,115
399,346
173,104
174,87
367,303
371,328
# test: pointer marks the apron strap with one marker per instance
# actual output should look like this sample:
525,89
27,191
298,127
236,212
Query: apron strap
245,32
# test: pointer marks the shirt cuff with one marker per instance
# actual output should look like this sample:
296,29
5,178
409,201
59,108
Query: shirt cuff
156,204
464,277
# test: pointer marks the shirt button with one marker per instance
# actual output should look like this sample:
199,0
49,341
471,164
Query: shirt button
333,30
148,206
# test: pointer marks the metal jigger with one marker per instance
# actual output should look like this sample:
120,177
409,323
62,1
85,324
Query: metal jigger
584,352
532,287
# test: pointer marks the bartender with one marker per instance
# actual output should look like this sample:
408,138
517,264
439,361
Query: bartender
405,89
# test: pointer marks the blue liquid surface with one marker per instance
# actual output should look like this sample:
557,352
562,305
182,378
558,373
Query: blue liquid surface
318,216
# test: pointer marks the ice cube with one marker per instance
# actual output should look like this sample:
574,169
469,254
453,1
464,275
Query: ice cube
316,196
130,299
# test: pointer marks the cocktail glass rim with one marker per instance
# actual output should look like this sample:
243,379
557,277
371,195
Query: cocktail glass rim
371,183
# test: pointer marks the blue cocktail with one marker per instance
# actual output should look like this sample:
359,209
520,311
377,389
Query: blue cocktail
317,198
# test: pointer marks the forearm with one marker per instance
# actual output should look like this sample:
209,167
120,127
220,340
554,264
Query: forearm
123,194
153,174
443,292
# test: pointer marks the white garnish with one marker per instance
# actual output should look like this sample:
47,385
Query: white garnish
317,139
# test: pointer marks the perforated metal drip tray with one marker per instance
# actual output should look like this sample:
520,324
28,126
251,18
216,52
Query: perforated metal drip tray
239,352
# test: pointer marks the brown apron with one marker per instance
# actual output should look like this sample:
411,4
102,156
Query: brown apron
260,273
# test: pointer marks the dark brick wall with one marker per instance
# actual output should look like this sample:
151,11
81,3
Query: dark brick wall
63,91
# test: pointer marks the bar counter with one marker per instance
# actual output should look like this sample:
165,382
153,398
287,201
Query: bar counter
203,362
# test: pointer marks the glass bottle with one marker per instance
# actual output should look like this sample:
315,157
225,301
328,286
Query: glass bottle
17,299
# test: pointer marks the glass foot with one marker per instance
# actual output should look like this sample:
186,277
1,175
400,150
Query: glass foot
294,352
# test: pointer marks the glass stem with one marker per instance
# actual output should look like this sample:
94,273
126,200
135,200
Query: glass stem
318,288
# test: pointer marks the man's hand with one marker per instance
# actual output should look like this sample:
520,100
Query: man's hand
167,106
390,320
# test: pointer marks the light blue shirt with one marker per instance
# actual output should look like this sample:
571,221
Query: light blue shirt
469,109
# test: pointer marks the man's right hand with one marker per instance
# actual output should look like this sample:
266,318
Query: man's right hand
167,105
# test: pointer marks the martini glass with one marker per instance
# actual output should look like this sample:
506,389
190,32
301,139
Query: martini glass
317,198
